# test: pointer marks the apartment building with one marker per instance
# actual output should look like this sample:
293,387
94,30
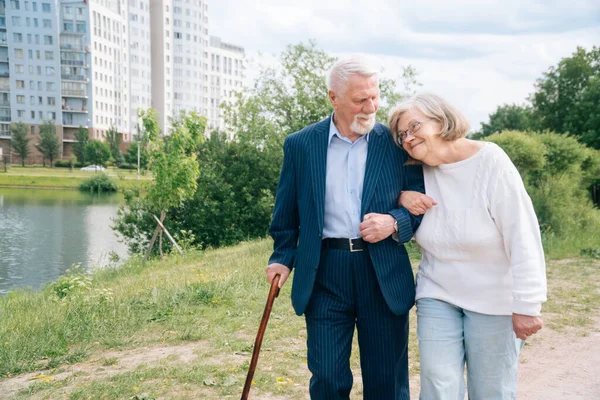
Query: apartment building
226,77
95,63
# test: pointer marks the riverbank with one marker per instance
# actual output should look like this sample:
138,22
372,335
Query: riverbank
64,178
183,328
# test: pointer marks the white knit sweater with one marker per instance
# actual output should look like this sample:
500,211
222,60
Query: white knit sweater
481,243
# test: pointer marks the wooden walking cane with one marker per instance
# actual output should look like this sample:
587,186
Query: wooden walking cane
273,292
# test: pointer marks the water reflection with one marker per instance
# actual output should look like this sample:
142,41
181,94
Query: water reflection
45,232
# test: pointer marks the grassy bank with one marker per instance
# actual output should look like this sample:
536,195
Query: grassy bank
202,311
63,178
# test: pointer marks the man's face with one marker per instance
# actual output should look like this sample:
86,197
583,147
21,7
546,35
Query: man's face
355,109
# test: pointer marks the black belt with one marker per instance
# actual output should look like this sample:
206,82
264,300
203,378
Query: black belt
345,244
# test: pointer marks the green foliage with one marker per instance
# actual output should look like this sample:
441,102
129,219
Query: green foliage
97,152
48,144
99,183
509,117
567,97
131,156
113,138
173,159
556,169
20,142
525,151
68,163
83,137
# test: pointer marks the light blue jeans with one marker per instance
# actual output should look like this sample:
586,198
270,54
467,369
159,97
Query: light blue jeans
450,337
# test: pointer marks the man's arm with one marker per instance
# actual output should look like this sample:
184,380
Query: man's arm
376,227
285,221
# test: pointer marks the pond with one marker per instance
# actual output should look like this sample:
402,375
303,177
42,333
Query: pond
44,232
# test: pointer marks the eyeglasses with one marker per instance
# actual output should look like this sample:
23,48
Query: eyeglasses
412,129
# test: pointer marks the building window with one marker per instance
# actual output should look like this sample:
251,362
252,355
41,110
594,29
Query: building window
15,4
18,53
46,7
20,99
17,37
50,86
19,68
16,21
51,101
49,55
49,71
47,23
48,39
21,113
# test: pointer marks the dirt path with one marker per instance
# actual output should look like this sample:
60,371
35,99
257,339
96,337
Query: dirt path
554,366
561,366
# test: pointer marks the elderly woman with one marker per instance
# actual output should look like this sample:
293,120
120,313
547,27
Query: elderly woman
482,279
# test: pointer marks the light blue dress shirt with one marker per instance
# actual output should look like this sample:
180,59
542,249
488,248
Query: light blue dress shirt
346,162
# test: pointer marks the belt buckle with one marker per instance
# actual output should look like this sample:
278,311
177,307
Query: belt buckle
352,250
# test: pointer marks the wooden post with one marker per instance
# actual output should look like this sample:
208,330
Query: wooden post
168,235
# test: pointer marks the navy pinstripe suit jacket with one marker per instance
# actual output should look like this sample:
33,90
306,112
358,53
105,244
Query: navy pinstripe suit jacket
297,223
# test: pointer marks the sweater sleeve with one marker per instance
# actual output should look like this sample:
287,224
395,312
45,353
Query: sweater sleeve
513,213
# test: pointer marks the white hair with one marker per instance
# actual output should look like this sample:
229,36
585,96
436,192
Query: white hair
337,77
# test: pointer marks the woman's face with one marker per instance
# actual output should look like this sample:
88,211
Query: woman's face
421,134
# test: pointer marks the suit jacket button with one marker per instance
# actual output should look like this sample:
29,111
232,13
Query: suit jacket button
316,267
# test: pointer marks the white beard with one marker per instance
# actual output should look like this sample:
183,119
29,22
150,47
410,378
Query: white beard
358,127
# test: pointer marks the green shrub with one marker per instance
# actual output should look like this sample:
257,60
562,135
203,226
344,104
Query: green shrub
67,164
557,171
128,166
99,183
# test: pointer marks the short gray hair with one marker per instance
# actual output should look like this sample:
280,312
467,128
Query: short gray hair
337,77
454,124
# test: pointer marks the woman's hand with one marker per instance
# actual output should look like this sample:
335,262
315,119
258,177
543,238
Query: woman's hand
415,202
526,325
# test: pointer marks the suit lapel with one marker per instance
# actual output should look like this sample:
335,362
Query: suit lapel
375,156
318,165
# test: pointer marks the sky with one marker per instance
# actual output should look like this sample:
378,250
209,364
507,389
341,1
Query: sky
478,54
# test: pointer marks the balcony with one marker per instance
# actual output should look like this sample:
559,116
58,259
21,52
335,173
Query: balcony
3,58
78,48
3,42
69,137
68,109
71,77
76,63
64,32
4,118
4,85
74,93
5,103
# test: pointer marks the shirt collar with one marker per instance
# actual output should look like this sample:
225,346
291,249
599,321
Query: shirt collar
333,131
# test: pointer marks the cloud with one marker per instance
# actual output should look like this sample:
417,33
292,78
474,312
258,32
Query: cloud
478,54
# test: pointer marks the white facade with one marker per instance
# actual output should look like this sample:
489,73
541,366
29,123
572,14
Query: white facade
179,57
140,71
227,65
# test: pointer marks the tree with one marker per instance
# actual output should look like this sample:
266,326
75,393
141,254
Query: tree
113,138
567,97
97,152
509,117
174,165
48,144
83,137
19,141
131,156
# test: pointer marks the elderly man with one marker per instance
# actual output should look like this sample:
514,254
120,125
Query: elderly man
335,174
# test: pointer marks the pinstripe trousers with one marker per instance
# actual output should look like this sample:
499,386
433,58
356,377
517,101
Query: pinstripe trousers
346,294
